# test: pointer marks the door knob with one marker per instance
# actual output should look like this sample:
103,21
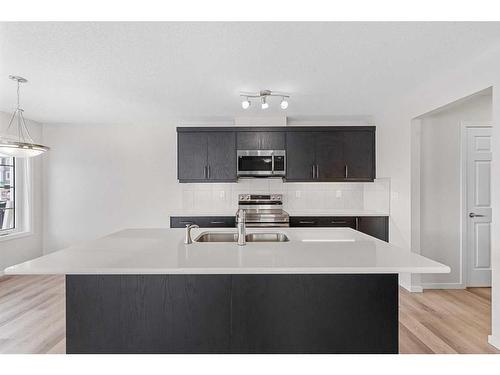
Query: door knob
472,214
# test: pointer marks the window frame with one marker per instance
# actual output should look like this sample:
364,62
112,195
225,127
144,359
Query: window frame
23,201
6,232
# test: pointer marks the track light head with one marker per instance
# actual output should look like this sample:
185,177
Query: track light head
264,104
284,103
245,104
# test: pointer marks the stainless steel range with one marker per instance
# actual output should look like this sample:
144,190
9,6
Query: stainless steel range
264,210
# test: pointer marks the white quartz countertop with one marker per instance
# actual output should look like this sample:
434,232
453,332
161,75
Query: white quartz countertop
162,251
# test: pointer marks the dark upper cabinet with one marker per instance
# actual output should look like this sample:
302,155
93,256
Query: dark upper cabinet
221,153
191,156
300,156
316,154
359,155
261,140
329,161
204,156
331,155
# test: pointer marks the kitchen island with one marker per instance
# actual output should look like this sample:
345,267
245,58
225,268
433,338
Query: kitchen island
326,290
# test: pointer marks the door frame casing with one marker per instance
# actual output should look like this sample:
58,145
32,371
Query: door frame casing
464,125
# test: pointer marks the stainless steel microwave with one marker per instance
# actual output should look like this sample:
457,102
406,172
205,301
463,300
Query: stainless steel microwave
261,163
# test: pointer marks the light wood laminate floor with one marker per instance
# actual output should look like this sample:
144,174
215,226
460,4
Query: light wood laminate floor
436,321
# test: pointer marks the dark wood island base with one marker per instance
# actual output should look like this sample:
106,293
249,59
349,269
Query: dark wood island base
254,313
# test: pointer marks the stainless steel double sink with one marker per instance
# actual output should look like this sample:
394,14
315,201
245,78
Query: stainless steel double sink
233,237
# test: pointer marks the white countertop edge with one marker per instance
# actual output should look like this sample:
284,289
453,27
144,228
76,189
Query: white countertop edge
222,271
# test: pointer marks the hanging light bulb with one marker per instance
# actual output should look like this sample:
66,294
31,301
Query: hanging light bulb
265,104
21,145
245,104
284,103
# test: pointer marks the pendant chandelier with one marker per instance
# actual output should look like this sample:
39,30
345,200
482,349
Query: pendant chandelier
19,144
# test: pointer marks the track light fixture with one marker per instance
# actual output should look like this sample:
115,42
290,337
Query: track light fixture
263,95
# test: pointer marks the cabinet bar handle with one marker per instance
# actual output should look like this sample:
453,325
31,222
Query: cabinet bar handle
186,222
346,172
313,172
339,222
208,168
357,223
217,222
306,222
317,171
205,171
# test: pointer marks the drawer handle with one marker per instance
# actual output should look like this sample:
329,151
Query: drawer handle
217,222
306,222
339,222
186,222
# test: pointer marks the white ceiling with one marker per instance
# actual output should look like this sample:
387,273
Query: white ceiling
131,72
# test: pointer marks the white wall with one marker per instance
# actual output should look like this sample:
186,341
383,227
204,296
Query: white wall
17,250
440,186
394,150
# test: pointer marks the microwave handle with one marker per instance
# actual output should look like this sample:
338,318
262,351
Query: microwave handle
272,164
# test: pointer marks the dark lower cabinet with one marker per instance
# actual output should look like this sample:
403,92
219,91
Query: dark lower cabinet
291,313
203,221
375,226
111,314
323,221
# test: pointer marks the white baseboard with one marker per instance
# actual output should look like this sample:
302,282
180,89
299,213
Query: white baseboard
411,288
494,341
443,286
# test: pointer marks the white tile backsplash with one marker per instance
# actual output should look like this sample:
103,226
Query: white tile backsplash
356,196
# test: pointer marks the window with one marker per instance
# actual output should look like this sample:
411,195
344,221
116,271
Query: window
7,195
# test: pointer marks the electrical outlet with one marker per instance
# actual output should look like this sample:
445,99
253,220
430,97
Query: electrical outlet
222,194
338,194
297,194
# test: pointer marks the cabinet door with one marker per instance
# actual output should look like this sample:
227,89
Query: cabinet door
359,155
272,140
259,140
248,140
221,156
203,221
330,156
305,221
300,156
375,226
338,221
191,156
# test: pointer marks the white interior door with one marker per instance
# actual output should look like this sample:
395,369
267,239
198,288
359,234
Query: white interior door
478,175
